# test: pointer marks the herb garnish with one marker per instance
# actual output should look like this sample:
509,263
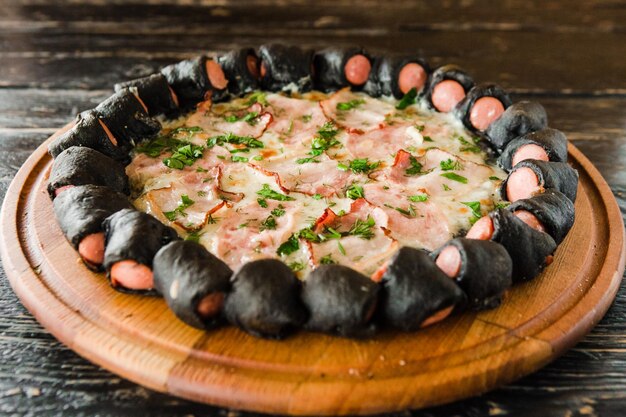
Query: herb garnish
268,193
296,266
185,202
250,118
363,228
454,177
257,97
468,146
231,138
355,191
359,166
349,105
474,206
407,99
324,140
416,167
289,246
327,260
450,165
268,224
418,198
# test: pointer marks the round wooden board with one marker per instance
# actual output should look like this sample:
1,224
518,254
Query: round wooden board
139,338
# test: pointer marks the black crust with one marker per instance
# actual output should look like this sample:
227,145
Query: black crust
190,82
553,209
329,64
88,132
134,235
553,141
485,273
414,288
235,67
265,299
527,247
154,92
552,175
446,72
340,300
126,118
81,210
82,166
197,273
383,79
519,119
285,65
464,108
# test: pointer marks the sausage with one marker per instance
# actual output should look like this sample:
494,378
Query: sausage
531,176
482,105
530,219
553,209
442,95
357,69
80,212
285,68
241,68
481,230
517,120
81,166
544,145
415,292
125,116
340,301
61,189
396,75
484,270
216,75
265,299
446,95
193,282
155,92
132,240
522,183
90,132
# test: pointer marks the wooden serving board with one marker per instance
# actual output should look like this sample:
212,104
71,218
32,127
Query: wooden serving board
138,338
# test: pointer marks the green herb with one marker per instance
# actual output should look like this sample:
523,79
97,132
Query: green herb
190,130
268,224
194,236
238,150
494,178
428,139
349,105
416,167
410,212
307,160
212,220
418,198
258,158
267,192
355,191
307,118
341,248
446,188
200,169
363,228
408,99
474,206
450,165
385,187
502,204
242,225
454,177
262,202
201,193
249,118
317,196
236,158
278,211
289,246
468,146
324,140
359,166
185,202
420,128
231,138
257,97
296,266
184,155
327,260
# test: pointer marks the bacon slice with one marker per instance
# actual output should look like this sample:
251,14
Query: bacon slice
383,143
295,120
368,114
216,124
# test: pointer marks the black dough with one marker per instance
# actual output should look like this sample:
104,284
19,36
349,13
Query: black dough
190,82
447,72
285,65
265,299
553,141
553,209
235,67
485,273
552,175
414,288
340,300
527,247
134,235
155,92
126,118
82,166
519,119
464,108
184,273
88,132
329,64
81,210
385,74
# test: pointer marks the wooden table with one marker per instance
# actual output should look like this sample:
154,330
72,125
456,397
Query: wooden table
56,60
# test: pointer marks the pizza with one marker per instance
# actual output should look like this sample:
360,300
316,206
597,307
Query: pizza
331,190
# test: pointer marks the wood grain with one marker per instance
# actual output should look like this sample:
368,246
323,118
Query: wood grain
139,338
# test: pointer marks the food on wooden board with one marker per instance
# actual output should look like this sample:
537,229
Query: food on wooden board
154,92
447,87
543,145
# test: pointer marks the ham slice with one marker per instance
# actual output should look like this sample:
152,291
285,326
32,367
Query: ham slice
365,114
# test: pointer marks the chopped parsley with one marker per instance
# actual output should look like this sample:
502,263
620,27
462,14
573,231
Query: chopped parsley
317,196
410,212
184,155
502,204
257,97
270,194
446,188
194,236
474,206
494,178
327,260
324,140
289,246
249,118
296,266
363,228
185,202
418,198
454,177
450,165
233,139
277,212
355,191
349,105
341,248
416,167
359,166
236,158
262,202
428,139
469,146
408,99
268,224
